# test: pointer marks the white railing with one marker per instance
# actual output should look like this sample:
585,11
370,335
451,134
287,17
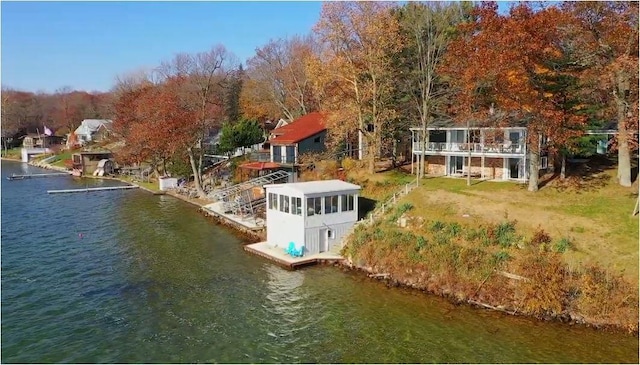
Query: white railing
506,148
389,203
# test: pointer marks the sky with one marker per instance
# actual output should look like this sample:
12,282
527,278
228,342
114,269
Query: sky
85,45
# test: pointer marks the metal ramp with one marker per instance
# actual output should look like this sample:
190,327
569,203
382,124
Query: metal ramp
247,198
224,194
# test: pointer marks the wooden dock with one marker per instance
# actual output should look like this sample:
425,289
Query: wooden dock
86,190
33,176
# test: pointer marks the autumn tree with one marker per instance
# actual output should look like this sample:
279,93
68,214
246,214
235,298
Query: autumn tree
428,29
154,123
202,77
277,81
353,75
497,61
605,39
232,91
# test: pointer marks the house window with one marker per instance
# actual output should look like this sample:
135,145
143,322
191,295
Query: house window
277,153
290,154
544,162
331,233
314,206
296,206
273,201
330,204
347,202
317,140
284,203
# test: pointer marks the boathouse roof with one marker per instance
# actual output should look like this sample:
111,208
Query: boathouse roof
317,187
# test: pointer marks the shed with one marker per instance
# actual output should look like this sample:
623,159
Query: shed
87,163
313,214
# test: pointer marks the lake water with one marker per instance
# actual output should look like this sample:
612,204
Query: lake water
126,276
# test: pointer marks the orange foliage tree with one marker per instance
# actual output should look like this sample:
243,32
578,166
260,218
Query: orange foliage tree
499,60
604,37
353,75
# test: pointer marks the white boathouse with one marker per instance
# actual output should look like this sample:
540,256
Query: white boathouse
314,214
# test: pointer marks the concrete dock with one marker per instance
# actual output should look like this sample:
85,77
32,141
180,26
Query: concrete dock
249,223
278,255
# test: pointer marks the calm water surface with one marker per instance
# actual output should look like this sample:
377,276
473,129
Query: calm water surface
125,276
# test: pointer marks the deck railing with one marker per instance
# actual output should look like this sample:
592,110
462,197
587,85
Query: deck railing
260,156
506,148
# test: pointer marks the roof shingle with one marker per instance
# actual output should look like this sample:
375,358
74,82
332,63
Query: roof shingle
300,129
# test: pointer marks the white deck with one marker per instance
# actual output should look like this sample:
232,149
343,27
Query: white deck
252,223
278,255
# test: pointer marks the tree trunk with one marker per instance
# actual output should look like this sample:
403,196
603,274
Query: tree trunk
534,163
360,141
624,159
563,166
371,147
196,172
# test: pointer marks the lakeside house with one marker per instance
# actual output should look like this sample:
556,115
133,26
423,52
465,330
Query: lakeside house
93,130
287,142
496,153
315,215
33,140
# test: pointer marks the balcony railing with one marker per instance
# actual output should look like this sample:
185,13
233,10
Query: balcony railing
260,156
284,159
505,148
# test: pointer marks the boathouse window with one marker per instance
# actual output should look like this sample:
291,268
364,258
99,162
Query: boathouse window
273,201
330,204
296,206
284,203
314,206
347,202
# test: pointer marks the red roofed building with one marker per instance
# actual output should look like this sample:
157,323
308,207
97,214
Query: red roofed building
303,135
288,141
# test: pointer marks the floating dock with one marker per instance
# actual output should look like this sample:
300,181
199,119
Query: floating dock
33,176
86,190
288,262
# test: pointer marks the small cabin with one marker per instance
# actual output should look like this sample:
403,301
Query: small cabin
315,215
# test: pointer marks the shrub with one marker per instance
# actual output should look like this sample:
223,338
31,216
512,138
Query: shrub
454,229
562,245
348,163
400,210
505,234
500,257
545,290
540,236
421,243
437,226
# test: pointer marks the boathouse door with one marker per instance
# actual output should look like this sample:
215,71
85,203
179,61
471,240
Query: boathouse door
324,240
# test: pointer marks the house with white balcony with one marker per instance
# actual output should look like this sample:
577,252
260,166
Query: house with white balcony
313,215
496,153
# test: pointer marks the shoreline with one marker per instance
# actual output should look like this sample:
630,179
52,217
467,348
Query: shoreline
348,265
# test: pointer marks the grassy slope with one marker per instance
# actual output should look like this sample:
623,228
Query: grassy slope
598,222
595,218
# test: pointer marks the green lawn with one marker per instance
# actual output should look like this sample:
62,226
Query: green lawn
13,153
